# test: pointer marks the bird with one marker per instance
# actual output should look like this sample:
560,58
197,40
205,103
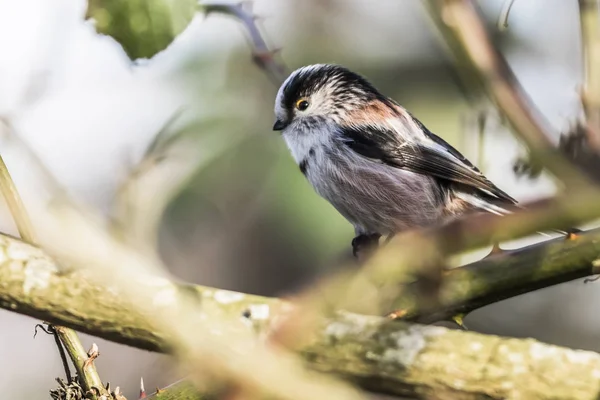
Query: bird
376,163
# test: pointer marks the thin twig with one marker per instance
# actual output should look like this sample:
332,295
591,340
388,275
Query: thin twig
263,56
67,337
15,204
61,350
503,19
63,356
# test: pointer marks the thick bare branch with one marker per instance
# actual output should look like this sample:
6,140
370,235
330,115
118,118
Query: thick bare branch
374,352
437,363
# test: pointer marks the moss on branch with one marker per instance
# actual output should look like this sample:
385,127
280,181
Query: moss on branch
507,275
374,352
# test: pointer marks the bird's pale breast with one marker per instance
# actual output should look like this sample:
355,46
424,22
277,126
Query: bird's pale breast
374,197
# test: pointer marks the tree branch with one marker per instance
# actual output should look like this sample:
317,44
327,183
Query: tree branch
83,362
482,65
374,352
438,363
507,275
263,56
590,35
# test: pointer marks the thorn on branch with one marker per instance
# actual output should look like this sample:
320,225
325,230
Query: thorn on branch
503,19
117,395
92,353
495,251
142,389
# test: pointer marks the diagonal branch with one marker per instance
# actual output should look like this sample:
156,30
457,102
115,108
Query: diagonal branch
482,65
507,275
264,57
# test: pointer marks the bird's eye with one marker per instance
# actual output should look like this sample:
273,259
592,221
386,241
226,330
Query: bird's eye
302,104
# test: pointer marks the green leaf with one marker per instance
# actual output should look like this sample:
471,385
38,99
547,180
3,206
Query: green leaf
142,27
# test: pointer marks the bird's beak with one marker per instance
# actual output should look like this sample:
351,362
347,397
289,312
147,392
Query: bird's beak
279,125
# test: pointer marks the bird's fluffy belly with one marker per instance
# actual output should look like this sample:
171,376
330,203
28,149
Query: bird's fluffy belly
374,197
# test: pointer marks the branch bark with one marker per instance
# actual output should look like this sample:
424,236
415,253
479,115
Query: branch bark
507,275
374,352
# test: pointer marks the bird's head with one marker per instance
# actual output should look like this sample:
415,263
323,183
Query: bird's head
322,93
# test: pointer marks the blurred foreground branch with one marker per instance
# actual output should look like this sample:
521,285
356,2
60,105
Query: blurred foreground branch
482,66
374,352
581,144
590,34
438,363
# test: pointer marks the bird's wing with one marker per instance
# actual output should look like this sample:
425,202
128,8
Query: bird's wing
431,156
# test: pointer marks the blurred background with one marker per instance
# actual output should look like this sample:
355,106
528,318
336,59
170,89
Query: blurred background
247,220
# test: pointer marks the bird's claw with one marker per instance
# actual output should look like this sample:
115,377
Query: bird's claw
363,245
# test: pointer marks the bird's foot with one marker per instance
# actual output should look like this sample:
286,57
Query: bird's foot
364,245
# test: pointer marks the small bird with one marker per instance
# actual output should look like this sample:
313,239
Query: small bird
377,164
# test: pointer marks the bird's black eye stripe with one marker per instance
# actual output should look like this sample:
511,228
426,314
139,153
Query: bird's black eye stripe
348,85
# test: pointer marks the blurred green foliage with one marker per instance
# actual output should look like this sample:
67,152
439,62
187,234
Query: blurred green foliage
142,27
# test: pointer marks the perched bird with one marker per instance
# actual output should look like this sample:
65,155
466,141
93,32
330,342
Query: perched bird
378,165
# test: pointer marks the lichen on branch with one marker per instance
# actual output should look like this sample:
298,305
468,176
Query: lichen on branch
376,353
